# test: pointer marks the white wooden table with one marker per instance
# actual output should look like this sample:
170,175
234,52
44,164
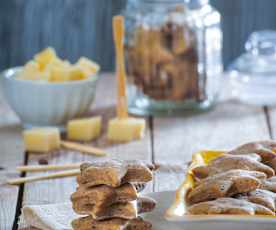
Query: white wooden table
168,141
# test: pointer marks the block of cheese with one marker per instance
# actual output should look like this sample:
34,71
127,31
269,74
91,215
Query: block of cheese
76,74
85,129
126,129
57,62
58,74
88,65
47,66
41,139
45,57
30,71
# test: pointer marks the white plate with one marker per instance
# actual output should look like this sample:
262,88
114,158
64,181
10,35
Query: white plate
164,200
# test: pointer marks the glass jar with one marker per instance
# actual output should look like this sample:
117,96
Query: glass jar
253,74
173,56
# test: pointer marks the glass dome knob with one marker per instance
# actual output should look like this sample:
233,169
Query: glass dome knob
262,43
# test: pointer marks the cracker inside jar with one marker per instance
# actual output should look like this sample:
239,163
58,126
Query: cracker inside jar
163,63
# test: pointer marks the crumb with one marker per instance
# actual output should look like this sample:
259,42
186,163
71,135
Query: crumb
43,161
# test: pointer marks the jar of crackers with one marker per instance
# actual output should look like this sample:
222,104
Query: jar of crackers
173,51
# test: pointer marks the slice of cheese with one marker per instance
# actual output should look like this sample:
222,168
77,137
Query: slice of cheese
85,129
45,57
41,139
88,65
127,129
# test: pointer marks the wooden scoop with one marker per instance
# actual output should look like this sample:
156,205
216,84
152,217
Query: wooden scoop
118,35
123,128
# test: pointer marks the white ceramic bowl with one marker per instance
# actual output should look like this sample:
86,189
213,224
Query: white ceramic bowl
47,104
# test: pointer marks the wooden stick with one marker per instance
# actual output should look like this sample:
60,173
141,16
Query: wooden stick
69,173
83,148
118,36
43,168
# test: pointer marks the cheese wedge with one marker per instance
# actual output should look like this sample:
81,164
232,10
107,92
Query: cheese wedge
41,139
85,129
126,129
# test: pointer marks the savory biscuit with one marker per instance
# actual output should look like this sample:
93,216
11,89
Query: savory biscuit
228,206
269,184
88,223
103,195
102,173
225,185
124,210
262,197
229,162
265,149
113,173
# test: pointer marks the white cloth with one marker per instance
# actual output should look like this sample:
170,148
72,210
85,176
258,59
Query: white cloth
48,217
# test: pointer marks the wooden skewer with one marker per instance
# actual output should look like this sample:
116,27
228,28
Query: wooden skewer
44,168
118,36
62,174
83,148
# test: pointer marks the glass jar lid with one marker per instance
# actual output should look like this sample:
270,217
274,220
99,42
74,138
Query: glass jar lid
253,74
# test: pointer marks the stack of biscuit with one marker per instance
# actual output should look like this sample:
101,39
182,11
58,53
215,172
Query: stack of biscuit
107,196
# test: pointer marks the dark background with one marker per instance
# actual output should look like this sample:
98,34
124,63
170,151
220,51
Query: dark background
83,27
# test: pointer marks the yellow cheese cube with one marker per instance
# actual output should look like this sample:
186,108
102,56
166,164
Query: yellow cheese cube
77,74
56,62
58,74
128,129
30,71
41,139
44,76
88,65
85,129
45,57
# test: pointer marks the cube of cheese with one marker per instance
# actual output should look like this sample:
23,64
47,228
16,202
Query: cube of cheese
57,74
85,129
41,139
56,62
88,65
127,129
45,57
76,74
30,71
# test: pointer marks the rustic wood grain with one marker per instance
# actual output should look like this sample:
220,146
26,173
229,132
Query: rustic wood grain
11,155
230,124
59,190
271,118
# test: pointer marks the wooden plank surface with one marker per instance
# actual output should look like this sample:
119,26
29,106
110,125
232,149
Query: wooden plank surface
59,190
10,156
271,115
228,125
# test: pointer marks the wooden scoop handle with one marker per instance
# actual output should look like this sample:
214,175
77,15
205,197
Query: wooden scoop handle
118,36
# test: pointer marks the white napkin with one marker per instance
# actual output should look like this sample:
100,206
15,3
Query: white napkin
48,217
